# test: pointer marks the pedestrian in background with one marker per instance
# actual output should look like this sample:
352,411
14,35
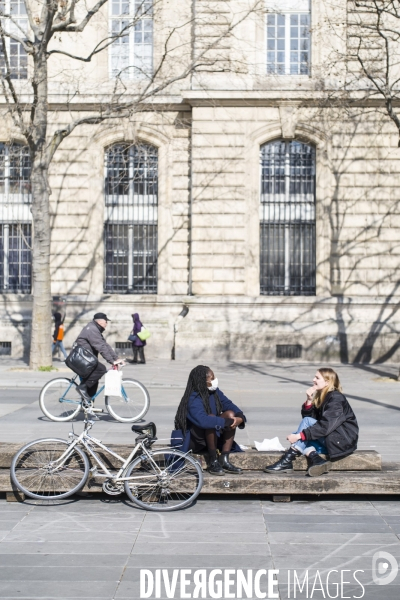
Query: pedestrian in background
138,344
58,335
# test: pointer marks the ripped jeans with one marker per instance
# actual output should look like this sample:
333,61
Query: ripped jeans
304,447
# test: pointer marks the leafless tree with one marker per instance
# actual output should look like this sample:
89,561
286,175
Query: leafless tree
52,30
373,60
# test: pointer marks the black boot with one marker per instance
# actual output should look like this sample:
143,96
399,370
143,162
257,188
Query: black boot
317,465
87,400
285,463
227,466
214,468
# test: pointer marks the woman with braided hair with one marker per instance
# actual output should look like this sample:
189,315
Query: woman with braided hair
206,420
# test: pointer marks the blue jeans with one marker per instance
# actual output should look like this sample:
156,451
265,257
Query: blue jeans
61,346
319,444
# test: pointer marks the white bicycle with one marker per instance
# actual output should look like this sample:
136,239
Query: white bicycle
161,480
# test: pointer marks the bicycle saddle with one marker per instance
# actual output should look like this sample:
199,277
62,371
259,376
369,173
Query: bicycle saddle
147,429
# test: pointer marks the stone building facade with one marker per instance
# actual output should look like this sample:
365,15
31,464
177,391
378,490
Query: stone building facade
242,194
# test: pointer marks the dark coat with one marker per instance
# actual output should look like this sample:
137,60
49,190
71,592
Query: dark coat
137,326
197,415
337,423
57,323
91,338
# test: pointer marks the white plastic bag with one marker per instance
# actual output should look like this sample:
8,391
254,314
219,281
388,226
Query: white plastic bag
113,382
266,445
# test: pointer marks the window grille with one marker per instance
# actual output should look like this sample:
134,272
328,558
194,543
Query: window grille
12,51
123,345
5,348
130,229
288,37
287,219
15,257
131,55
289,351
15,219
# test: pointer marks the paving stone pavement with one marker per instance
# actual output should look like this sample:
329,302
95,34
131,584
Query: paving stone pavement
270,395
96,548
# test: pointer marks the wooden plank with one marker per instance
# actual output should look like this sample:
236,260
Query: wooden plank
362,460
386,481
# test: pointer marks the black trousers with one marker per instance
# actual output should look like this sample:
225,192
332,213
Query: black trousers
92,380
139,349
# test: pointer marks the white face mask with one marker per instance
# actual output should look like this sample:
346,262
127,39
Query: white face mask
214,385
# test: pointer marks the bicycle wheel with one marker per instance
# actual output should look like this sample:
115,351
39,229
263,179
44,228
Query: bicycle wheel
168,481
40,471
60,400
132,405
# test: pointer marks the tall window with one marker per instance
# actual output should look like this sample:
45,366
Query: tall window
130,229
11,50
287,219
131,55
288,37
15,219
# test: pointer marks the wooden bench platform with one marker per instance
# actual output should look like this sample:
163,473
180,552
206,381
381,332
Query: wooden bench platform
252,460
360,473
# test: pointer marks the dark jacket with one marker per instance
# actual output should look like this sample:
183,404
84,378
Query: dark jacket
337,423
197,415
57,323
91,338
137,326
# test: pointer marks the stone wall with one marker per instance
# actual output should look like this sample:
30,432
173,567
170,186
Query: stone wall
208,132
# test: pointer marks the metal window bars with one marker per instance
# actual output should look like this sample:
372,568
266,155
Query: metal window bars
130,228
15,257
287,219
15,219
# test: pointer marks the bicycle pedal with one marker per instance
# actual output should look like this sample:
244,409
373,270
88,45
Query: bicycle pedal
97,410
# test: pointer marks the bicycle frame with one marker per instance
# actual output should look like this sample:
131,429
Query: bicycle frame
86,440
67,401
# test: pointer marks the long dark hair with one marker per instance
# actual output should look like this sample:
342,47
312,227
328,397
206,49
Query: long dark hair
197,382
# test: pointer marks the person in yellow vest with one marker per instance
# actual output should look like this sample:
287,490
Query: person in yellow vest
58,334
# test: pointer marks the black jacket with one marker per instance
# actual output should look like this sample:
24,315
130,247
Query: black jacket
337,423
91,338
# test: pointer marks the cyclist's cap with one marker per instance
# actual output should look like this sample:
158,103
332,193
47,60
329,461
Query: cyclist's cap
101,316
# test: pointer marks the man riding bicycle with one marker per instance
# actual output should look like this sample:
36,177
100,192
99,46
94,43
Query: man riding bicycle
91,339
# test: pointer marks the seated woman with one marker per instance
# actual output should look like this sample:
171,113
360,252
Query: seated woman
329,426
207,419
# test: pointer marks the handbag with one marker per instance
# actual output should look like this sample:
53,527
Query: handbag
60,334
81,361
132,337
112,383
144,334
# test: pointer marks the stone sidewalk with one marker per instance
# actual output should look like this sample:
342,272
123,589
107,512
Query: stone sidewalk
270,395
94,549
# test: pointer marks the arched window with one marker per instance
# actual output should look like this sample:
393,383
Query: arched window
15,219
287,219
130,229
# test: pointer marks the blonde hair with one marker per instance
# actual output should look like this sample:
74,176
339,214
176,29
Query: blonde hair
333,383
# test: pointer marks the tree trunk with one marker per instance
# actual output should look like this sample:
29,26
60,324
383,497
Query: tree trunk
40,353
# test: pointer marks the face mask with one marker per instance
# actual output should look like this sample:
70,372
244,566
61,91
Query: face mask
214,385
